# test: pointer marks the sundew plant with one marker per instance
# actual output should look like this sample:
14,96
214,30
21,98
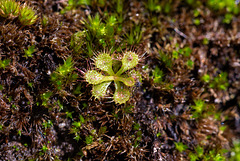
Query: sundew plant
123,78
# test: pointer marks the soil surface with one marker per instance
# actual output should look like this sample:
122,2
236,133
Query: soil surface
186,107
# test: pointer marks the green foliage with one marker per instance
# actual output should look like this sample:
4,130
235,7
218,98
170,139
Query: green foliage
119,14
199,106
194,3
96,34
137,134
45,98
229,7
128,109
235,152
69,114
135,35
199,151
166,59
19,132
47,124
228,18
100,32
44,148
167,7
64,74
190,64
29,51
158,75
44,20
206,78
9,8
153,6
205,41
27,15
220,82
122,82
159,134
212,155
190,1
4,63
180,146
89,139
200,109
186,51
136,126
119,6
196,14
15,147
77,40
73,4
77,126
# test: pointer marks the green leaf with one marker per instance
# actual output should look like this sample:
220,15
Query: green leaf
81,119
27,15
44,148
180,146
29,51
94,77
129,61
104,62
199,106
77,137
77,124
192,156
122,94
127,81
157,75
136,75
66,68
9,8
100,89
206,78
4,63
199,151
89,139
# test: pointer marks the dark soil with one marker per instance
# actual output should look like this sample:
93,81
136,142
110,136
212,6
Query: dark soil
158,116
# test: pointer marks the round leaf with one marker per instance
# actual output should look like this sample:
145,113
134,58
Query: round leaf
100,89
130,60
127,81
93,77
104,62
122,94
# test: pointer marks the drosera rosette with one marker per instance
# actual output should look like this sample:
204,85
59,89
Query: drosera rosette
103,75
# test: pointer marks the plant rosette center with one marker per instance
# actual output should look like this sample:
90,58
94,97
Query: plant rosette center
122,82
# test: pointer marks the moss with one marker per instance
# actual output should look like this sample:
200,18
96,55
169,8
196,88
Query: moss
180,90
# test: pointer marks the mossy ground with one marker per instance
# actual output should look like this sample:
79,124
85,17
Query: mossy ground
186,106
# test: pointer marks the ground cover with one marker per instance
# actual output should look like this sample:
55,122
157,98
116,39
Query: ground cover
168,85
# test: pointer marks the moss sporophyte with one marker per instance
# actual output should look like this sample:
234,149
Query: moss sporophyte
123,78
